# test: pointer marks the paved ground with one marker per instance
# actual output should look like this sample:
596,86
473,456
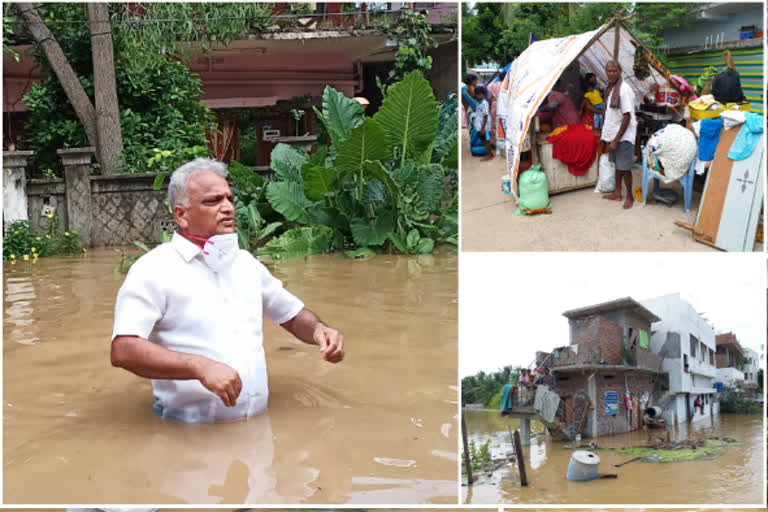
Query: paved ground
580,221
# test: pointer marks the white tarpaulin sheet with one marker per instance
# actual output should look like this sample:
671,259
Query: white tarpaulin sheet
533,74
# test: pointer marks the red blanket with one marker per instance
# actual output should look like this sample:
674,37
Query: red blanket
575,147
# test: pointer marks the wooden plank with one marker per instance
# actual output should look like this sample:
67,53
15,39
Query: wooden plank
467,460
520,460
713,198
741,209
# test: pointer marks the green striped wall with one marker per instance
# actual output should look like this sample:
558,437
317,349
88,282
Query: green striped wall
749,64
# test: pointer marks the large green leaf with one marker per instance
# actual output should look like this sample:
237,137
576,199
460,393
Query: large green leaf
254,217
425,181
451,159
409,115
340,114
301,241
447,137
372,232
288,198
366,142
377,170
327,216
319,181
287,161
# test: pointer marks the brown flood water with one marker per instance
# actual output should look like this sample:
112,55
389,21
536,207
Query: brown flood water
378,428
735,477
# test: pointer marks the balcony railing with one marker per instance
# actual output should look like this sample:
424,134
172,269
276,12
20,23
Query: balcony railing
701,368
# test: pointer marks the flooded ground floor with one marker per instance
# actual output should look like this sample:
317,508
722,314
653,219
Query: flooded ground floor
378,428
736,475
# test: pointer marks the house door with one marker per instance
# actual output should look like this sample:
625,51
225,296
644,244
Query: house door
687,407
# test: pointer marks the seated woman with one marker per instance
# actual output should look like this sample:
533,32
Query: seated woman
559,108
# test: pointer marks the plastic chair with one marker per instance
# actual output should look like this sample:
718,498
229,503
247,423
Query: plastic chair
685,180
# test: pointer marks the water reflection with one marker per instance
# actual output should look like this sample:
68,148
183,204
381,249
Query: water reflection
377,428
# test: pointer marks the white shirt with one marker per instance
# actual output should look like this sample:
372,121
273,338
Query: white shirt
613,116
172,298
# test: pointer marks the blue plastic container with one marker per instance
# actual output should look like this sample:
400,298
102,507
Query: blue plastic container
583,466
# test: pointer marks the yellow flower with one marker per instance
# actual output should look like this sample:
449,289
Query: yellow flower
37,238
34,249
50,215
12,256
48,237
85,250
26,257
66,233
13,262
34,257
15,232
74,232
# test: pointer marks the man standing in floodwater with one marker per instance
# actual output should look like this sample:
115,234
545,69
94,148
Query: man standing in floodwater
189,314
619,130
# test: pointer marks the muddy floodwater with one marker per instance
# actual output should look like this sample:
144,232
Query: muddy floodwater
378,428
735,477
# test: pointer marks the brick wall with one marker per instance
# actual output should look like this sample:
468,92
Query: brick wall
637,384
575,389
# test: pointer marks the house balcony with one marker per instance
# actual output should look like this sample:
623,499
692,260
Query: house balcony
607,355
701,368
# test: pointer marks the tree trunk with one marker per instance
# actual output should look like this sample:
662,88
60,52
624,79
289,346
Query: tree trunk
64,72
105,90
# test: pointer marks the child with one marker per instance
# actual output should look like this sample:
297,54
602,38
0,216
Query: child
592,106
480,134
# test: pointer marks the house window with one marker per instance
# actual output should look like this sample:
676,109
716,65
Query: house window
685,362
693,342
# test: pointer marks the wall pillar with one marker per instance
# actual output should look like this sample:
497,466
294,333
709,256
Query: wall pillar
525,431
77,177
14,186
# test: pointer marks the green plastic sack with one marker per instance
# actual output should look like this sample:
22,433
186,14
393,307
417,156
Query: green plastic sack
533,192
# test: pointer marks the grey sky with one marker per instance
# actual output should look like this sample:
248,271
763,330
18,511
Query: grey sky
511,305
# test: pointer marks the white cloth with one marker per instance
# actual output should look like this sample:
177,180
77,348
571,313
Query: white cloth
676,148
546,403
614,116
172,298
732,118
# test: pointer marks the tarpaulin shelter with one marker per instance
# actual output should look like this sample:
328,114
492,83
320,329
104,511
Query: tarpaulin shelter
534,73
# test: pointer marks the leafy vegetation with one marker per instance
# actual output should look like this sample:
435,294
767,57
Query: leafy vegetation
738,403
20,243
160,108
499,32
479,457
485,388
381,183
413,34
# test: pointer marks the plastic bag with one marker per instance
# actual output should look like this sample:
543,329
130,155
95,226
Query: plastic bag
534,192
606,177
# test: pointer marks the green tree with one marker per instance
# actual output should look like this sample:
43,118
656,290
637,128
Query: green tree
482,387
500,31
166,115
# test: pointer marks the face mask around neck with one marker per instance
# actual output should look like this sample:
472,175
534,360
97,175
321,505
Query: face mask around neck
219,251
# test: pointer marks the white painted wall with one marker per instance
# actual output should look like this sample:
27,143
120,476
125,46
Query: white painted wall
752,366
677,315
729,376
